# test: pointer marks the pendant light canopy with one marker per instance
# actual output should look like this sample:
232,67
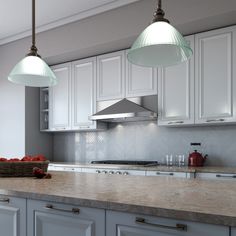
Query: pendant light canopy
32,70
160,44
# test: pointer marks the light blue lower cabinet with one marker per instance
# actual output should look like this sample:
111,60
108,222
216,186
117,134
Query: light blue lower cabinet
53,219
233,231
124,224
12,216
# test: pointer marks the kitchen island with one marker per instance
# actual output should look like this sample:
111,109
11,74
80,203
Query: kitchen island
205,201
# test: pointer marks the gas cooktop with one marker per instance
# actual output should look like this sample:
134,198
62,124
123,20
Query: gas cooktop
126,162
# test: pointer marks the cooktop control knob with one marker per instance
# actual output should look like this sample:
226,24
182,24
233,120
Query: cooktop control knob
104,172
118,173
98,171
111,172
125,173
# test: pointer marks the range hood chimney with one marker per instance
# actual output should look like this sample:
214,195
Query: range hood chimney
124,111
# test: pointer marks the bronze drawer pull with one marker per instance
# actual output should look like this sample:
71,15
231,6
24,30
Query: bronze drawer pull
215,120
163,173
5,200
175,122
73,210
178,227
226,176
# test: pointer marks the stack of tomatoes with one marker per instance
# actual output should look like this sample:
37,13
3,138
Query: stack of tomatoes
26,158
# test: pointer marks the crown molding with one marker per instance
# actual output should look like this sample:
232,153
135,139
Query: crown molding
79,16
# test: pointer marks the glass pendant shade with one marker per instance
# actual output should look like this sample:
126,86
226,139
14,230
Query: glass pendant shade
159,45
34,72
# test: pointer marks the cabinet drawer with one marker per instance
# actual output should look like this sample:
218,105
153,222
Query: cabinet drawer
119,224
165,173
49,218
218,176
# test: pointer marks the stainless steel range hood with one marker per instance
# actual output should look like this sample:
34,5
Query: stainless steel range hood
123,111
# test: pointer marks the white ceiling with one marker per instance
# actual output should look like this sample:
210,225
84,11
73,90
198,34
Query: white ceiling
15,15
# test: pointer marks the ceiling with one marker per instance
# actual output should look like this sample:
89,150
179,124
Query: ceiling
15,15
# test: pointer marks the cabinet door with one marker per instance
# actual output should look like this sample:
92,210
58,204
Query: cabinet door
59,99
233,231
218,176
140,81
176,93
12,216
111,76
216,76
49,219
120,224
83,93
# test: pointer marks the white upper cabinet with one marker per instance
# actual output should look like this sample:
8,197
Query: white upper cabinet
176,93
83,93
59,104
111,76
216,76
140,81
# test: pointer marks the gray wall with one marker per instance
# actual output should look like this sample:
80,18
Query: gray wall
146,141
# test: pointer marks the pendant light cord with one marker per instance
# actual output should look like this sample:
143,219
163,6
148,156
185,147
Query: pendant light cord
159,13
33,48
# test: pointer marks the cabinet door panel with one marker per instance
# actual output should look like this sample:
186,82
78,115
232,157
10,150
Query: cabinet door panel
61,221
110,76
140,81
12,217
176,93
83,94
215,57
51,224
124,224
60,98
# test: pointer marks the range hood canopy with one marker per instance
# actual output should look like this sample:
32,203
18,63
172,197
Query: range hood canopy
123,111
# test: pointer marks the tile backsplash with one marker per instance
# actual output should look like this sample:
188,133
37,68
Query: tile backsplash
146,141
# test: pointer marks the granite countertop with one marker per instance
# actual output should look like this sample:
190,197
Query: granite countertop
205,169
187,199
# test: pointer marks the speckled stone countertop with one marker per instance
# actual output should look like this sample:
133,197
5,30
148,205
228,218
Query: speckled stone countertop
205,169
207,201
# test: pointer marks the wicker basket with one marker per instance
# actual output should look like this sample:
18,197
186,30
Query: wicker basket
21,168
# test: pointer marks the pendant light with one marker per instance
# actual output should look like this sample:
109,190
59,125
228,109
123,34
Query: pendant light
32,70
160,44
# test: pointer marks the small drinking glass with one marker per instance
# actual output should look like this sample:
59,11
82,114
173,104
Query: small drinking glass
169,160
180,160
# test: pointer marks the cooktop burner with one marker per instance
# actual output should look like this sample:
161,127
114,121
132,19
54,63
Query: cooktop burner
125,162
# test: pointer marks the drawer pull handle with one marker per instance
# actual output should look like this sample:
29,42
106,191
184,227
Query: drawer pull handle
73,210
5,200
215,120
175,122
226,176
178,227
162,173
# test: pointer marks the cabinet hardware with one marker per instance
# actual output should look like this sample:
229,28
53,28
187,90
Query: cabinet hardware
73,210
4,200
126,173
175,122
178,227
84,127
226,176
215,120
162,173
